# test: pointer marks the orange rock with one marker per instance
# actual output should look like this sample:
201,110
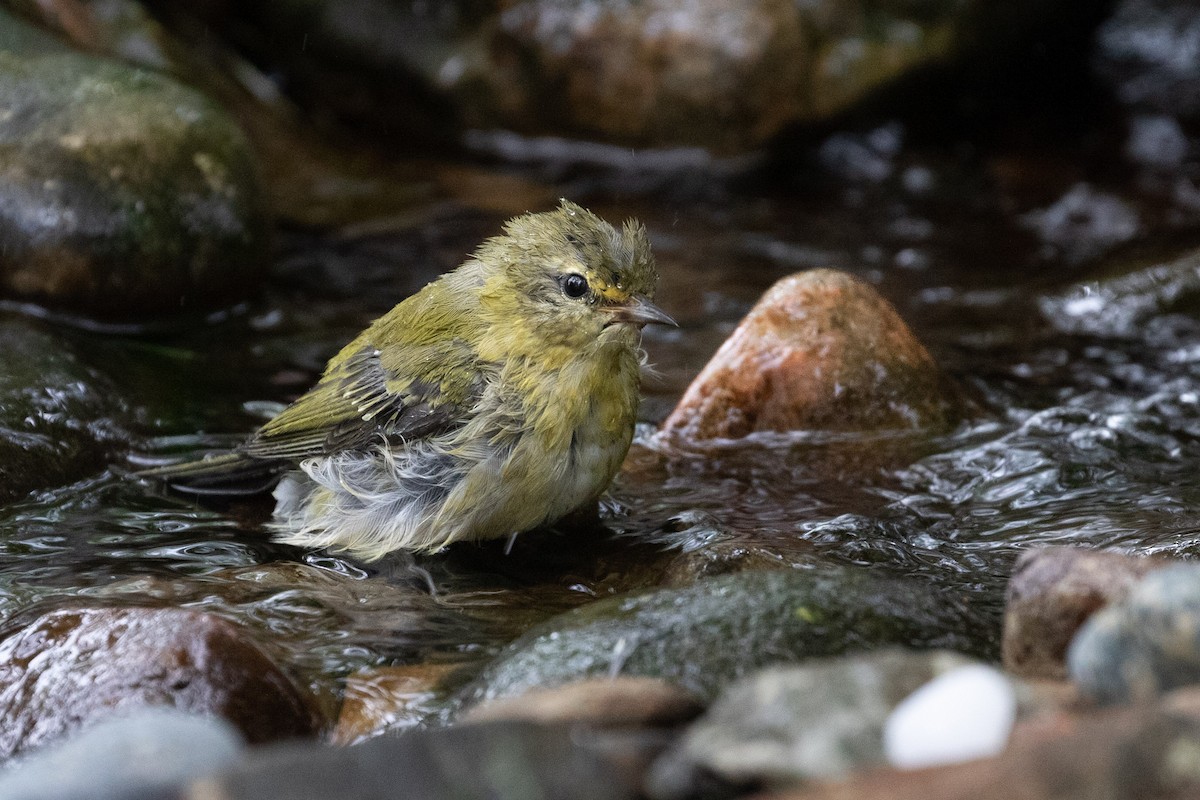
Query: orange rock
387,698
820,351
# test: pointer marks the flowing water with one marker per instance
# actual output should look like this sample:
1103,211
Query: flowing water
1084,428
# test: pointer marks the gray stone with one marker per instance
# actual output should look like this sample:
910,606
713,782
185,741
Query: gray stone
705,635
1120,754
818,721
148,752
1051,593
122,191
1156,141
1145,645
498,760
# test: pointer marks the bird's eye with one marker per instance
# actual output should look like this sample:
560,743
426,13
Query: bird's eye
574,285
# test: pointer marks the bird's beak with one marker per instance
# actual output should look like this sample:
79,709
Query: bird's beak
640,311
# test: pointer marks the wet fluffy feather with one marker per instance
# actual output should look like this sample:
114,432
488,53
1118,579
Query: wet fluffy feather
489,403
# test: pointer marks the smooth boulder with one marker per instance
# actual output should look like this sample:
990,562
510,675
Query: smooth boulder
75,666
123,193
821,350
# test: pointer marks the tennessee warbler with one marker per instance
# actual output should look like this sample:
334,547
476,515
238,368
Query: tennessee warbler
499,398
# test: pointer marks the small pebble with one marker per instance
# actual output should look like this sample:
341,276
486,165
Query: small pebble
1145,645
965,714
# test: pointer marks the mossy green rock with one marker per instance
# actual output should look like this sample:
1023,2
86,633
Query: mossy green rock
707,634
58,417
122,192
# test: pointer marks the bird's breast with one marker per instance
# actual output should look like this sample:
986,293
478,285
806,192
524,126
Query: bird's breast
589,424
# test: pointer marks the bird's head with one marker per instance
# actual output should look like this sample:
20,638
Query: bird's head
572,278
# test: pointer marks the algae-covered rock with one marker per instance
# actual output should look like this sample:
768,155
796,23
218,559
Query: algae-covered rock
122,191
703,636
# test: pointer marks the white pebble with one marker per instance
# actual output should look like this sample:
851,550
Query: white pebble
964,714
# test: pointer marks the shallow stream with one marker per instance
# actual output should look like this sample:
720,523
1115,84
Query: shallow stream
1084,422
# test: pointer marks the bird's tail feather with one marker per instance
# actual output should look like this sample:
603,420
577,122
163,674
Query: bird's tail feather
224,475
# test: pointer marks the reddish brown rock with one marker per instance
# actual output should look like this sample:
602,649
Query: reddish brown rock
1051,593
387,698
606,703
725,73
820,351
72,667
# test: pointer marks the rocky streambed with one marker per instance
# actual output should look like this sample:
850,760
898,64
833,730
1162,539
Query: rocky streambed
912,502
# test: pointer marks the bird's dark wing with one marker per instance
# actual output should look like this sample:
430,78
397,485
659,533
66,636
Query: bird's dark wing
364,401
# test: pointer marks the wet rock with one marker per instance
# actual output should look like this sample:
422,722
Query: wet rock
1083,225
862,158
725,74
704,547
720,74
961,715
1119,306
818,721
388,699
497,759
1156,142
1118,755
601,702
1145,644
151,753
1051,593
702,636
333,624
72,667
59,419
1149,52
122,192
821,350
318,615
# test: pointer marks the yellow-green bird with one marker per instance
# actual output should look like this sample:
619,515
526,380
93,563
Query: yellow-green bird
497,399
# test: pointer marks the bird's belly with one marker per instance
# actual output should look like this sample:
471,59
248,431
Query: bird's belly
503,473
592,463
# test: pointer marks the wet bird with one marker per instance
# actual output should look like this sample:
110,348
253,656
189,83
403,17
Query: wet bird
498,399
